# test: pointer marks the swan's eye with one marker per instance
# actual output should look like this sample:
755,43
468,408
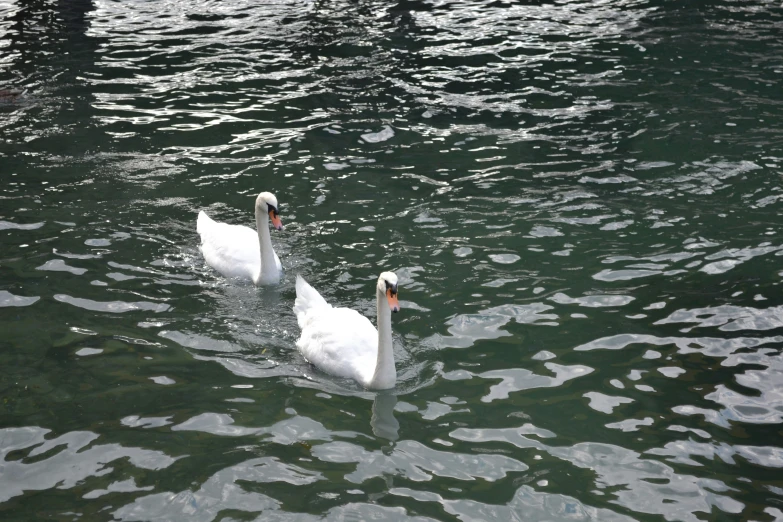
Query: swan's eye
390,287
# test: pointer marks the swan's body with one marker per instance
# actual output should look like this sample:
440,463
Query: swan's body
239,251
343,342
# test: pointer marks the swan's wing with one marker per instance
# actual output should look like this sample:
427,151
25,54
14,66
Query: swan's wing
308,301
340,341
232,250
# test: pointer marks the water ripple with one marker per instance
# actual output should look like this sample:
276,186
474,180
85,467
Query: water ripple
64,461
416,462
580,198
220,492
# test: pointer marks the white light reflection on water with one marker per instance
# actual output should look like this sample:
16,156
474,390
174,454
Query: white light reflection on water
581,200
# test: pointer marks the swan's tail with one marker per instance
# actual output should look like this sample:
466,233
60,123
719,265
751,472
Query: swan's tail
307,299
203,222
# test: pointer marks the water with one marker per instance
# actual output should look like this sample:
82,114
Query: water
581,200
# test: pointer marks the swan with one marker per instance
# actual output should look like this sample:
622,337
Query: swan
342,341
238,251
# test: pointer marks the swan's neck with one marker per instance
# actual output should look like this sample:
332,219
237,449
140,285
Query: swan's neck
268,272
385,375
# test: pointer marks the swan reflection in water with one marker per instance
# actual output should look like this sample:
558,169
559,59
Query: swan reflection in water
383,422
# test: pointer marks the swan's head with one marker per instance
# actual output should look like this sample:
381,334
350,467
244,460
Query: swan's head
387,283
267,202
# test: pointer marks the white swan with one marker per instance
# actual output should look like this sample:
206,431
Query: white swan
238,251
342,341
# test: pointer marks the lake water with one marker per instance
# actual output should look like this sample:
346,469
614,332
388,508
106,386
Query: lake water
581,199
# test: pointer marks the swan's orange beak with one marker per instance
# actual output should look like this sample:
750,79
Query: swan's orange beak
392,298
276,222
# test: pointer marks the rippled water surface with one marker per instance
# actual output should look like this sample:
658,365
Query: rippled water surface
581,199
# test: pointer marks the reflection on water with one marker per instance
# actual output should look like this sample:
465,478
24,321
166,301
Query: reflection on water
383,422
219,493
580,200
33,463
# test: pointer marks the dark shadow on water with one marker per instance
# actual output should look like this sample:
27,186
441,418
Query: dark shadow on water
46,38
49,56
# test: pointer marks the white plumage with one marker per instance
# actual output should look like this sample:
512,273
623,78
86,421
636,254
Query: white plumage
343,342
239,251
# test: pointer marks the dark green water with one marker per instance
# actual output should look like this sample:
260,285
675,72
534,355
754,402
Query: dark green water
581,200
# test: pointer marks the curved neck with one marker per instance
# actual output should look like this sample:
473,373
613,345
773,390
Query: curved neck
268,272
385,375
